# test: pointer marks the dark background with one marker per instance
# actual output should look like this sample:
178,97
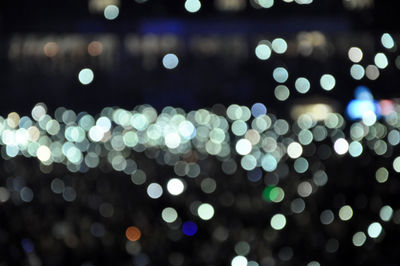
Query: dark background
196,82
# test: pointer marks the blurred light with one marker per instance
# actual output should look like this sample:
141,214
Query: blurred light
357,71
294,150
372,72
189,228
279,45
363,93
243,147
355,54
263,52
192,6
133,233
281,92
302,85
357,108
278,221
205,211
345,213
359,239
280,74
111,12
95,48
317,111
169,215
341,146
239,261
381,60
386,213
154,191
374,230
170,61
50,49
387,41
258,109
43,153
86,76
175,186
327,82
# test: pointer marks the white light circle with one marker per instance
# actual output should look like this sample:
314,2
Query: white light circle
278,221
154,191
374,230
86,76
341,146
170,61
111,12
327,82
263,52
192,6
294,150
175,186
243,146
239,261
205,211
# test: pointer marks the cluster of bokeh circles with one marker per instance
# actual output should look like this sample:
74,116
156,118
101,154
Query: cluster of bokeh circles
268,151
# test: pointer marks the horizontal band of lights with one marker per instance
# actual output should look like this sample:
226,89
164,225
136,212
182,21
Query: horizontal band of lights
240,138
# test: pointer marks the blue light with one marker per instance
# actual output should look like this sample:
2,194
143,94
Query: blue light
189,228
27,245
363,93
258,109
356,108
254,175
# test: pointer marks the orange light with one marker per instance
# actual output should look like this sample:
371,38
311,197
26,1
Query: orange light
95,48
133,233
50,49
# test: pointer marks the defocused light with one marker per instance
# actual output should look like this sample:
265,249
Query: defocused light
192,6
95,48
111,12
86,76
280,74
279,45
341,146
302,85
243,147
327,82
258,109
132,233
50,49
205,211
154,191
170,61
281,92
239,261
387,41
43,153
381,60
374,230
294,150
357,71
278,221
169,215
357,108
175,186
359,239
355,54
263,52
189,228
